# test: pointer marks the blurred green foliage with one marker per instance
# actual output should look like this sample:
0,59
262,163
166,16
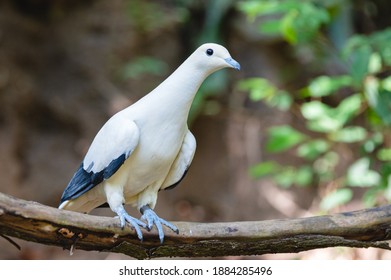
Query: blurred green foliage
144,65
262,89
297,21
358,123
148,16
207,16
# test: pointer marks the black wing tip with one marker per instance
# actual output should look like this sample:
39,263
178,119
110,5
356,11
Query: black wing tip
113,166
83,181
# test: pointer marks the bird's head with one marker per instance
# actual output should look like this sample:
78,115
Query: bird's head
212,57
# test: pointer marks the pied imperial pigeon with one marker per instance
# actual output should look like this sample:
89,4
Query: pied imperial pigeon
146,147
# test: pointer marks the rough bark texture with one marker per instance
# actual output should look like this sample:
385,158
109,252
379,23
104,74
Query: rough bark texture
42,224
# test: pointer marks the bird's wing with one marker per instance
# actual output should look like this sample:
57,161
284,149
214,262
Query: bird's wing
182,162
111,147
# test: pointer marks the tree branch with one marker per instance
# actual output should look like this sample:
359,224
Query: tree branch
42,224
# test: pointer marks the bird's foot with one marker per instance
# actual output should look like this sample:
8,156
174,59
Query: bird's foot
153,219
135,223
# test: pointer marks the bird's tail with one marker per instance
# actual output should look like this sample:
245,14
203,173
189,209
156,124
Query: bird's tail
80,204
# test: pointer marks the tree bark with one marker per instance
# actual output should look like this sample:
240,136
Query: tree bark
46,225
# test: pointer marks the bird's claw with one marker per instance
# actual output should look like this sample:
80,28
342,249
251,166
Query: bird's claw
152,218
135,223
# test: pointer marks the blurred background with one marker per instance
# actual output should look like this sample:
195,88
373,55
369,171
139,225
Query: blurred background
303,129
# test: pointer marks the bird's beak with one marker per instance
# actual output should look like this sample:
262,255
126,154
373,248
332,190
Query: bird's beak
233,63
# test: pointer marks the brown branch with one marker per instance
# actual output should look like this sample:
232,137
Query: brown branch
42,224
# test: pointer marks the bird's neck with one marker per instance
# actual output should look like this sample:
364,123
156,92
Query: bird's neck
183,84
177,92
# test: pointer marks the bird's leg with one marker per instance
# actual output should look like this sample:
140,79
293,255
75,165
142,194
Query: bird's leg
135,223
153,219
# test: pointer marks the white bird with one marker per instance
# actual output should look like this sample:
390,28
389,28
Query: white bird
146,147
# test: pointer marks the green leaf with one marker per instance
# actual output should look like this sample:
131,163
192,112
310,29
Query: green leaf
271,27
348,108
359,54
312,149
264,169
261,89
359,66
281,100
259,8
288,176
336,198
380,41
386,83
349,134
324,119
314,110
374,64
281,138
384,154
371,86
303,176
321,117
372,143
285,177
297,22
366,54
302,22
359,174
379,99
287,26
325,85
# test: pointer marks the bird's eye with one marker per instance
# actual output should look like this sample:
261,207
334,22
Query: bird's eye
209,52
